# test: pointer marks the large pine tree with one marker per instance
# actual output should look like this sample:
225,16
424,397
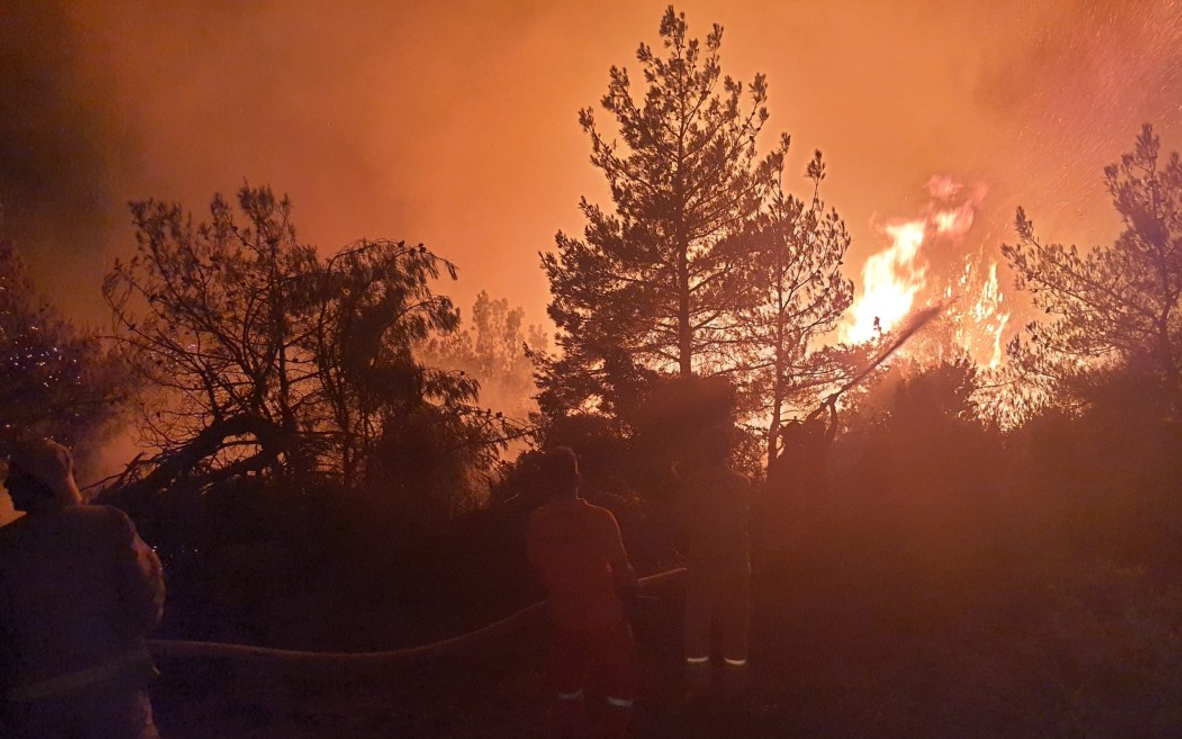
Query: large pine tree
652,287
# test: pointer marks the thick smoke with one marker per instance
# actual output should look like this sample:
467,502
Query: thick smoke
1077,91
61,148
454,124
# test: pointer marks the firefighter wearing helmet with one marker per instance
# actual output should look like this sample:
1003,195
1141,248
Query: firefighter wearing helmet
79,592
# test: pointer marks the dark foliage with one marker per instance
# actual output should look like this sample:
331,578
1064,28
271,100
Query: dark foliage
1110,305
263,358
55,379
653,286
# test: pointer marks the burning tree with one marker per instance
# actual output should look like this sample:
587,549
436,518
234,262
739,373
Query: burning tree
267,359
1112,307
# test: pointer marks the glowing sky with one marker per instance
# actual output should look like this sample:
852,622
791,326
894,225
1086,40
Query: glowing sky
454,123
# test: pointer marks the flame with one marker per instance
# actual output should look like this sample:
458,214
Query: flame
944,187
890,281
897,278
979,326
905,276
989,315
954,223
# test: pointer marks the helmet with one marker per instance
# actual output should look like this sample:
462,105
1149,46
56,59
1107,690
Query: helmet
47,463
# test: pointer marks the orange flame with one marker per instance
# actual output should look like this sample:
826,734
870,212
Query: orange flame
981,324
890,281
895,279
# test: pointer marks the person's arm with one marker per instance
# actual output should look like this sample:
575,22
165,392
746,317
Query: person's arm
140,578
831,432
617,555
621,566
683,518
776,450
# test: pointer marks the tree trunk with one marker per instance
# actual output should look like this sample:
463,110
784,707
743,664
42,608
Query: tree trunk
773,428
1169,365
684,331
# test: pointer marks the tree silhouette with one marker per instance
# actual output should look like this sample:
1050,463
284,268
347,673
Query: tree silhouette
653,285
265,358
1114,306
797,251
495,348
54,379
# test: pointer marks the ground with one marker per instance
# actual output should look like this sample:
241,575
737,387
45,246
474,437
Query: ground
843,646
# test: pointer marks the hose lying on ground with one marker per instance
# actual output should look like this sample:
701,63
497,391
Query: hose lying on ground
174,649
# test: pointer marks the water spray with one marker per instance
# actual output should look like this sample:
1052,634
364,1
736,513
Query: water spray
909,329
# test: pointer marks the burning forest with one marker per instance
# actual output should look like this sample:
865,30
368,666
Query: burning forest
840,392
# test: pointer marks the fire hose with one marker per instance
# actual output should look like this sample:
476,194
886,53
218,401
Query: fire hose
901,337
181,649
917,321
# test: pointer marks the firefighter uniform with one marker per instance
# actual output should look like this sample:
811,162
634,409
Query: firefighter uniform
579,555
715,540
79,592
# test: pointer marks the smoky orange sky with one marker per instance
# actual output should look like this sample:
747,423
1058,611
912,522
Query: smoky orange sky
454,123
